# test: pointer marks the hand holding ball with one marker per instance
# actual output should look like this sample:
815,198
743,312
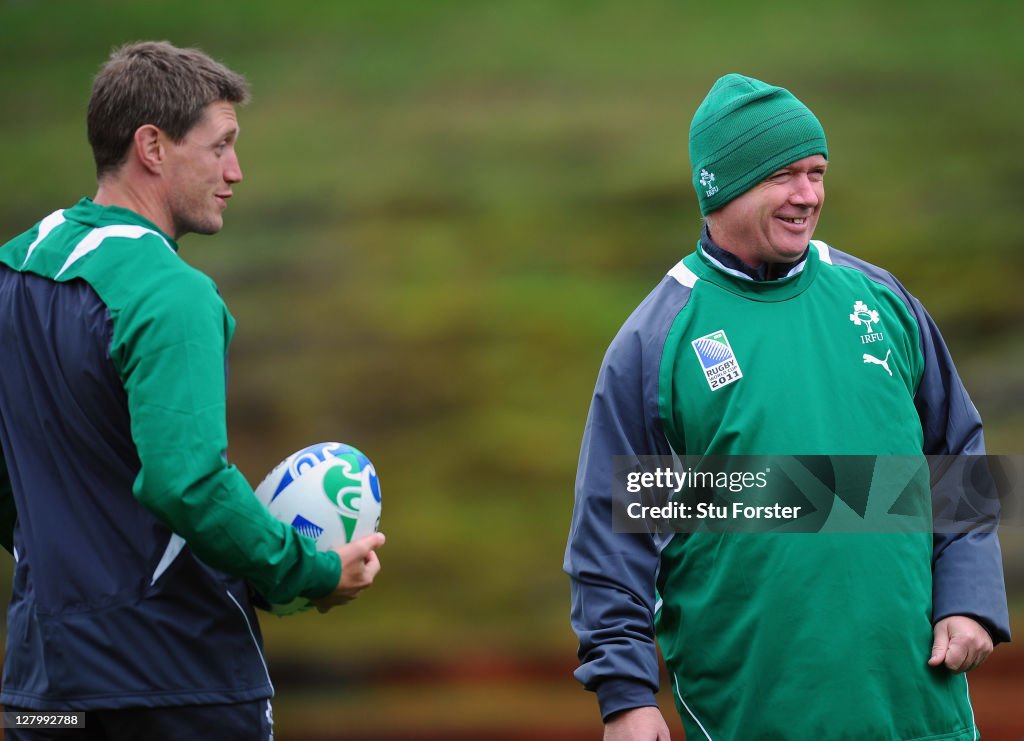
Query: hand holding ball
329,492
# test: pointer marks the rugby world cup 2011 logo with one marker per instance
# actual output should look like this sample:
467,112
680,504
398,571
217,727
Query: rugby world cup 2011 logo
717,359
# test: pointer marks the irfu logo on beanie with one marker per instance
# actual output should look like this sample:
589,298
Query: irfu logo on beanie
743,131
706,180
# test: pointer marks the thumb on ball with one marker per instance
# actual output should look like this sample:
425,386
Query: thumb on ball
371,542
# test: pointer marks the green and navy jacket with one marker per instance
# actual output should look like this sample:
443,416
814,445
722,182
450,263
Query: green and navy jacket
778,635
135,541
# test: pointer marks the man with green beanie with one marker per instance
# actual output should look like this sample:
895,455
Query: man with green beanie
748,347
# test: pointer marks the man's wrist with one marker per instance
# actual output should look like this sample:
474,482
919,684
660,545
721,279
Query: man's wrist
616,695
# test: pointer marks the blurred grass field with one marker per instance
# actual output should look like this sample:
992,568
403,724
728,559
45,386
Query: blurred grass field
448,210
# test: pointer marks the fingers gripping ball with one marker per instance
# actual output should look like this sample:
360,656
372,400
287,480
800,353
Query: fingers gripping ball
329,492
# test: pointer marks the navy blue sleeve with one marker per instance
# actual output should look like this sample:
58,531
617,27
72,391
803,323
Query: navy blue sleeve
612,574
967,567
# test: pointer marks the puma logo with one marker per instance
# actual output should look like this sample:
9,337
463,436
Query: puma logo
876,361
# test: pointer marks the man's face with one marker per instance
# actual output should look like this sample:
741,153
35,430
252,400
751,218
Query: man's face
773,221
201,170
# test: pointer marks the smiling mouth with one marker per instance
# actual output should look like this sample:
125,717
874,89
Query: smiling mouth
798,222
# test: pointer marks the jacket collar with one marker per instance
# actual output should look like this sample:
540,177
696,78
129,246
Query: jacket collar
732,264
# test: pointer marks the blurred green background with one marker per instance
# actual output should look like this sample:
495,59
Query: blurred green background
449,207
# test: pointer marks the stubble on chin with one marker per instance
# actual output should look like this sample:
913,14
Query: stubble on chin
190,225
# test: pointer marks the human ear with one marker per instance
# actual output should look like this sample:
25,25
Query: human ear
148,147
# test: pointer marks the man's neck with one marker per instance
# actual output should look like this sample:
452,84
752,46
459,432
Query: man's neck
119,192
764,272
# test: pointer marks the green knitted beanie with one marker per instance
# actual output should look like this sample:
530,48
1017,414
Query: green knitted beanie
743,132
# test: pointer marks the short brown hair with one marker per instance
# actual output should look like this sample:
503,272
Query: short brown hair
154,82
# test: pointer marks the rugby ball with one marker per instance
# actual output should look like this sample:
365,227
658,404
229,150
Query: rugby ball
328,492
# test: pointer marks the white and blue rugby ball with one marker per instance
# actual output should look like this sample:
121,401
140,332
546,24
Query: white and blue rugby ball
329,492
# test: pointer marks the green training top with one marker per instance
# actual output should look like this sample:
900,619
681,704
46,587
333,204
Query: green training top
746,618
169,335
